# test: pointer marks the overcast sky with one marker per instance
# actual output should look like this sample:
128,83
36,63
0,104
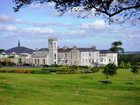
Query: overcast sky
35,24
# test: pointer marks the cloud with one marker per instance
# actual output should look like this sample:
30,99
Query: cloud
40,30
98,24
8,28
4,18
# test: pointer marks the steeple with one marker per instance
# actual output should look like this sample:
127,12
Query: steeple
18,43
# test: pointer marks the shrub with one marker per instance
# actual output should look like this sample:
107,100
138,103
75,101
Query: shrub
11,63
73,67
83,67
121,65
0,65
95,69
128,65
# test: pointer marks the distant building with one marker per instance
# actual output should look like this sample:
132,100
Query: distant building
61,56
72,56
13,54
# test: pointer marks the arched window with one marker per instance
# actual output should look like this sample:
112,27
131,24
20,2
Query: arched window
55,45
43,61
38,61
35,61
54,56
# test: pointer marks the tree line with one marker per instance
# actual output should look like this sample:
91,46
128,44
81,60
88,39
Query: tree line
126,61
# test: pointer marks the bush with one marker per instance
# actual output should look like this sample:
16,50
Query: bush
11,63
73,67
54,65
121,65
128,65
0,65
95,69
83,67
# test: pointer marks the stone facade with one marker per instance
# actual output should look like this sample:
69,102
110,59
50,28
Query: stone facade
61,56
75,56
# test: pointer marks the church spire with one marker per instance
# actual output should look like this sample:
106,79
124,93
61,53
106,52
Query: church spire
18,43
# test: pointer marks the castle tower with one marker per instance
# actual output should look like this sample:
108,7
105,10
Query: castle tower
53,53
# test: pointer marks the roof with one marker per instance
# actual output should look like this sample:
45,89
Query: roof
64,50
105,51
19,50
43,49
86,49
40,54
69,49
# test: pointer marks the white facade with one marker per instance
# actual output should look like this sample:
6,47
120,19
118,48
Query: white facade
106,58
89,58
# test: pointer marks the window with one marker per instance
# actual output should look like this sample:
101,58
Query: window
89,54
89,60
55,45
101,59
38,61
35,61
43,61
54,56
83,60
66,61
51,45
66,55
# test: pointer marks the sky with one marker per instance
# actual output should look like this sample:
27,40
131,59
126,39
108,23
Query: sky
33,25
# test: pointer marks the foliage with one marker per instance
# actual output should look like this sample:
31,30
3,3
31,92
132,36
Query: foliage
20,61
95,69
2,50
124,9
121,65
0,65
7,63
116,47
109,70
134,59
11,56
134,69
128,65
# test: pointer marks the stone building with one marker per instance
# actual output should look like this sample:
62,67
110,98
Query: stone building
72,56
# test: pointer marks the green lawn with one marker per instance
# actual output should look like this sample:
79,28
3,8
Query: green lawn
68,89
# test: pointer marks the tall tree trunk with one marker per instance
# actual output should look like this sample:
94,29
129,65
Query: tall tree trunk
107,77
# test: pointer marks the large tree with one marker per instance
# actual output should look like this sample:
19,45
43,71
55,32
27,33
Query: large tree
116,47
114,10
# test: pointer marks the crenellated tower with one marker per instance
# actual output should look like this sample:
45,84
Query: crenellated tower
53,51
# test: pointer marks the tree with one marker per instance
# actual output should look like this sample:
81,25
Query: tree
134,70
114,10
109,70
121,65
128,65
116,47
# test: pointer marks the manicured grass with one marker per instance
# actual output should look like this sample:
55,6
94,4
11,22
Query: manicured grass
68,89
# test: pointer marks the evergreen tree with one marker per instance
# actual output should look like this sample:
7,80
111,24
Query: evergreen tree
110,70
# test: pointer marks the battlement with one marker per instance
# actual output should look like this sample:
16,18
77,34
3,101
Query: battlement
52,39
